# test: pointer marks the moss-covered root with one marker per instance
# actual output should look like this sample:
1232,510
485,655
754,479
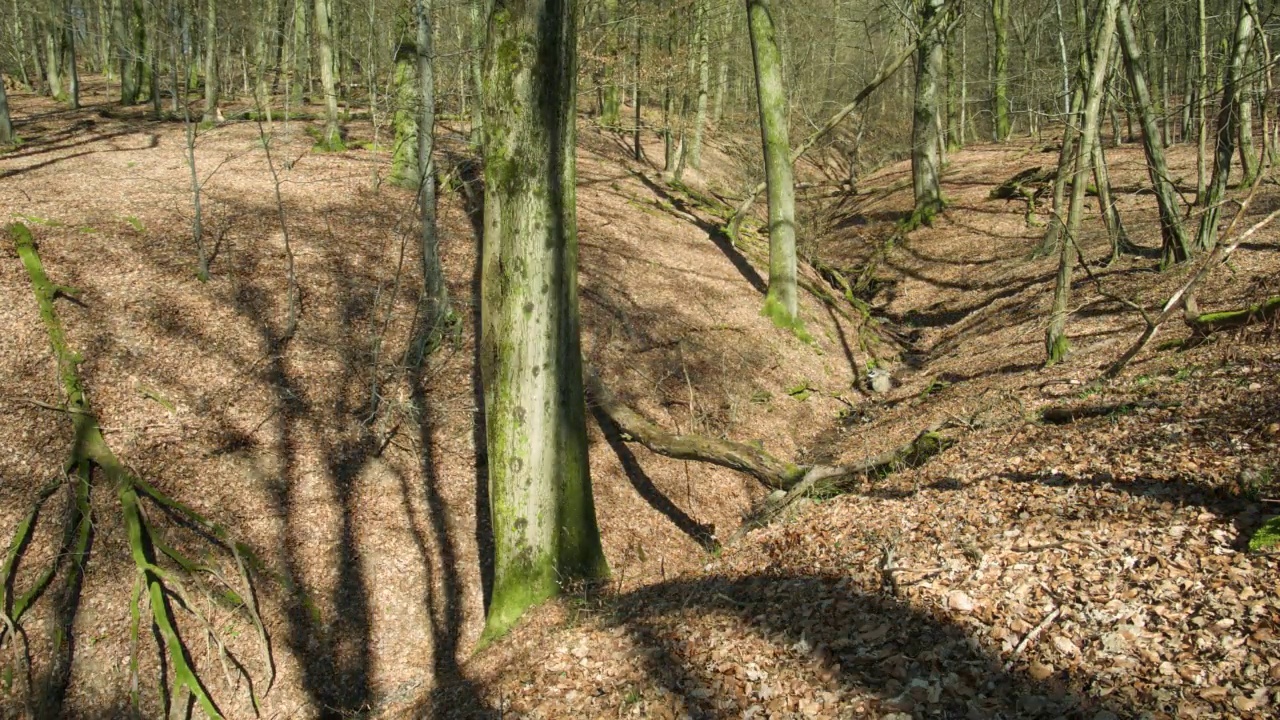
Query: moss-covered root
90,455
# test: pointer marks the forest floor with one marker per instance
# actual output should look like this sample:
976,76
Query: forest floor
1095,569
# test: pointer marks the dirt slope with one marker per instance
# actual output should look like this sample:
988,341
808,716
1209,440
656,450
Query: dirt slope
907,598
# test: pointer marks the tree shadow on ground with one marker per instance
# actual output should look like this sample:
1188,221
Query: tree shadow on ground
714,232
868,649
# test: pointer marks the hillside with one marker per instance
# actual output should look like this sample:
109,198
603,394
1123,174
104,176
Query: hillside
1092,569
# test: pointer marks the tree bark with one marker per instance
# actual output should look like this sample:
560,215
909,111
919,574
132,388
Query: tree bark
1207,235
332,139
1202,100
704,79
1176,247
404,154
301,52
926,161
6,123
434,312
543,515
781,304
611,110
1055,336
1000,19
211,79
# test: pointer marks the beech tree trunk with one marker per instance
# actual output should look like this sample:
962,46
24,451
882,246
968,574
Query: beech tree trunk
211,79
1000,20
926,160
1055,336
6,123
433,312
781,303
1202,101
1176,246
704,80
1207,235
544,522
301,52
332,139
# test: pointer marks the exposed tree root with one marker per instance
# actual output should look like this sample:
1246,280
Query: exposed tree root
155,583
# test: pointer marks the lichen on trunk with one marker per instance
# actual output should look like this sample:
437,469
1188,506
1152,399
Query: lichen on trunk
543,515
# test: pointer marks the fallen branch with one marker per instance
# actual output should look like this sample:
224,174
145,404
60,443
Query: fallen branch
753,460
89,453
1206,324
1218,256
1030,636
1062,415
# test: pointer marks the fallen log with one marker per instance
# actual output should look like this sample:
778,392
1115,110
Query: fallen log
1205,324
753,459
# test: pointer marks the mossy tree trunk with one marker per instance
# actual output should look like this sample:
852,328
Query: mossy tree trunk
1055,336
434,313
543,515
6,123
53,59
611,106
69,50
211,79
926,157
1176,245
1244,128
301,52
1207,235
122,19
781,303
332,138
1000,21
704,80
404,156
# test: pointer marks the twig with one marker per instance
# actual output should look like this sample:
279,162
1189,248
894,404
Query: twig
1026,640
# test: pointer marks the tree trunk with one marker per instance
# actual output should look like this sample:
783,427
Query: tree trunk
1176,246
1000,19
611,105
781,304
6,123
211,79
263,52
722,75
121,23
69,46
434,312
301,51
953,141
1244,134
1202,120
926,162
1207,235
543,515
636,140
332,139
479,10
53,60
1055,337
404,154
704,79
